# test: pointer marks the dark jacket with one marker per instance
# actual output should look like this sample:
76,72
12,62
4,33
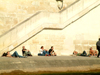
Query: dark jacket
98,45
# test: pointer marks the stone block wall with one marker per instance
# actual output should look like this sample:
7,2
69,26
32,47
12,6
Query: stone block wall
79,35
13,12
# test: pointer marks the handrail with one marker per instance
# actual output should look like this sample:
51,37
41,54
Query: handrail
20,23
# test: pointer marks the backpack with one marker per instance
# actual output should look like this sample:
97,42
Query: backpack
4,54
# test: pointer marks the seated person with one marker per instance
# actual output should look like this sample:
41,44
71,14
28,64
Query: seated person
26,52
15,54
51,51
95,53
43,52
91,52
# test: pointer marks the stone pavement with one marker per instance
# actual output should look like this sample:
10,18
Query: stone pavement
49,63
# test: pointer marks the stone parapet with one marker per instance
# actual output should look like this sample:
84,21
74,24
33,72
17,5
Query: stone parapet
59,63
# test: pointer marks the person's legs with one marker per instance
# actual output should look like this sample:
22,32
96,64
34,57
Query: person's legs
83,55
44,52
47,52
55,54
39,54
29,53
25,53
15,54
98,53
52,53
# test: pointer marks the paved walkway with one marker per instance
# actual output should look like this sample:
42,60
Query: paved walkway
49,63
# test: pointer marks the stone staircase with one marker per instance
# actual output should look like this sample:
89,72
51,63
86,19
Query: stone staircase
44,20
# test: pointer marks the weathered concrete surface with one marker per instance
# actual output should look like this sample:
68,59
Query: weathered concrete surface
49,63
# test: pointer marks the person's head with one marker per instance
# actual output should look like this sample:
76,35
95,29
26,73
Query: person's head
90,48
23,47
8,53
42,47
51,47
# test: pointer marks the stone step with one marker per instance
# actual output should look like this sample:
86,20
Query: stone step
49,63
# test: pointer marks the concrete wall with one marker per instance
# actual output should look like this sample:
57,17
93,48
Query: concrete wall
13,12
80,35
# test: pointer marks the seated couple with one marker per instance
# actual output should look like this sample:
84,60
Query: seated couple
44,52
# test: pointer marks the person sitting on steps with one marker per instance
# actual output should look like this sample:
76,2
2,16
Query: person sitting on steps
92,52
43,52
51,51
26,52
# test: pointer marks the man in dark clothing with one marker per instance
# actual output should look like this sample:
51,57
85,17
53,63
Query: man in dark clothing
51,51
98,47
26,52
23,50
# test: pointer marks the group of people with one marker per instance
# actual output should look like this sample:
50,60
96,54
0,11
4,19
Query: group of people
91,52
44,52
51,52
84,53
26,52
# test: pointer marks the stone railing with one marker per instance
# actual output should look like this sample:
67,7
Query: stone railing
75,9
31,26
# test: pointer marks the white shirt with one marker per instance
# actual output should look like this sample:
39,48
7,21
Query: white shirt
41,51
